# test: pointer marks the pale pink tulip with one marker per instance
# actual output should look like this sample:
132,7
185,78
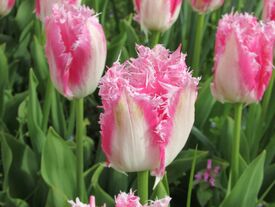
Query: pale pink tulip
148,107
204,6
6,6
75,49
157,15
269,10
243,58
43,8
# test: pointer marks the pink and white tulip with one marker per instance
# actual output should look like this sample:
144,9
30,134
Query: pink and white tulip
43,8
243,58
204,6
157,15
6,6
148,107
76,50
269,10
124,200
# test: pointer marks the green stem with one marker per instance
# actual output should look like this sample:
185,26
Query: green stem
47,105
79,144
191,178
240,5
71,124
155,38
236,144
142,181
198,42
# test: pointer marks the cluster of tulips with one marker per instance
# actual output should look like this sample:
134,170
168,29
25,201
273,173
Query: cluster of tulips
149,101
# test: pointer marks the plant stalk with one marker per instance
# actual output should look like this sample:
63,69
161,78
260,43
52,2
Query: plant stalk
142,181
47,105
236,144
155,38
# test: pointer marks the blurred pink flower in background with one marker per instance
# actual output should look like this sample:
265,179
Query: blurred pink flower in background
43,8
76,50
124,200
157,15
148,107
6,6
243,58
269,10
204,6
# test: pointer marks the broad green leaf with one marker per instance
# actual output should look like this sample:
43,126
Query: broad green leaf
246,190
4,78
57,198
7,201
58,165
24,13
35,115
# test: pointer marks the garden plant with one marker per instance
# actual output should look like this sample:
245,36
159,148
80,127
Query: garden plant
137,103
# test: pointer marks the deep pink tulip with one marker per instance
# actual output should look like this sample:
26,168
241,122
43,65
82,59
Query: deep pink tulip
243,58
148,107
6,6
157,15
75,49
269,10
43,8
204,6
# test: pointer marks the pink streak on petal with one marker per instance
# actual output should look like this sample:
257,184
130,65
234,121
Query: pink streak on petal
92,201
11,3
173,5
137,4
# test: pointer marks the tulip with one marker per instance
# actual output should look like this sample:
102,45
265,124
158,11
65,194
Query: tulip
269,10
157,15
148,107
243,58
204,6
6,6
43,8
75,49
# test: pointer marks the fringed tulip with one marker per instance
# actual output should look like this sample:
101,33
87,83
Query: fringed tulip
204,6
6,6
148,107
243,58
75,49
157,15
43,8
269,10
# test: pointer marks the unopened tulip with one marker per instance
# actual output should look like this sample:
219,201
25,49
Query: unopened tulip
6,6
243,58
204,6
148,107
43,8
75,49
157,15
269,10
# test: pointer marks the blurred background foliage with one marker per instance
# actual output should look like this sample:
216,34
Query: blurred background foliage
37,165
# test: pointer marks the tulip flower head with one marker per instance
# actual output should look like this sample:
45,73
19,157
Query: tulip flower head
6,6
157,15
148,107
76,50
43,8
269,10
204,6
243,58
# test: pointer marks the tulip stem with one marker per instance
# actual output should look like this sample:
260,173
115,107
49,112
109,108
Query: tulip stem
267,97
236,144
79,145
142,182
198,42
155,38
47,105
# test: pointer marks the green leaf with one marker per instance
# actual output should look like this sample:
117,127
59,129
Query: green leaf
56,198
58,166
24,13
20,166
115,48
4,78
246,190
35,115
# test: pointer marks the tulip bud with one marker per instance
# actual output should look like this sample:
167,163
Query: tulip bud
148,107
204,6
43,8
243,58
269,10
6,6
157,15
75,49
